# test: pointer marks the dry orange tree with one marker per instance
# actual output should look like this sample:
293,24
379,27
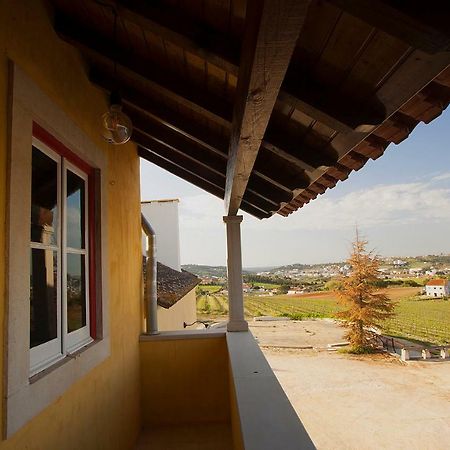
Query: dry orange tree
364,306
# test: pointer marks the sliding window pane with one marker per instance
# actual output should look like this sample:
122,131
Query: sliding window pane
75,210
76,292
44,198
43,297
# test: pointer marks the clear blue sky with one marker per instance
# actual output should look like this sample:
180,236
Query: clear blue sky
400,203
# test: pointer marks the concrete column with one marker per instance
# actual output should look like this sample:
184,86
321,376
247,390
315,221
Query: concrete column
236,321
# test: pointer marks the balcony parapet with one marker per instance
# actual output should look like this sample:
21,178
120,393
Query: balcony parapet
262,418
211,377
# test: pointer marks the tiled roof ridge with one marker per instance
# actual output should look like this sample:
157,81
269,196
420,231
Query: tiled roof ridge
437,282
173,285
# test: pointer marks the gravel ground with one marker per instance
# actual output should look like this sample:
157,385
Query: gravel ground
358,402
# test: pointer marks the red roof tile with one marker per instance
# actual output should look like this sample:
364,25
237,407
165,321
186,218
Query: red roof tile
437,282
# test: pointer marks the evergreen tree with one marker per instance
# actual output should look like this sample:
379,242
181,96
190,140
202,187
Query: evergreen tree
365,307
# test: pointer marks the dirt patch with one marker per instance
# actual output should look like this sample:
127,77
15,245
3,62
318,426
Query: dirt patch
291,333
359,401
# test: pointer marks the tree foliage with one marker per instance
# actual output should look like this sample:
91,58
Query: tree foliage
364,306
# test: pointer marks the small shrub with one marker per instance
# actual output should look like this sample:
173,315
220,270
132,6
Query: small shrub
358,350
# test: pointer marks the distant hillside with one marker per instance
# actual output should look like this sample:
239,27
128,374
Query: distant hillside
206,271
437,261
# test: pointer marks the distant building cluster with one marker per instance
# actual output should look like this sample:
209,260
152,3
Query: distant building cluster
316,271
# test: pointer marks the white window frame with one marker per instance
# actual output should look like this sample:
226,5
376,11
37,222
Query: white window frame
81,337
65,343
50,352
26,396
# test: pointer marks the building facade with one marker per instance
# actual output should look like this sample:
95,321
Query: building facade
437,288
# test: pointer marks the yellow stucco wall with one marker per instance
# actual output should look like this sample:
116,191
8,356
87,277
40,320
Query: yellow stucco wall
101,410
185,381
185,310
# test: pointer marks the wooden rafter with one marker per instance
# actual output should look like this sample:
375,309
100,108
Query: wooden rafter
422,27
101,48
179,30
272,30
196,158
157,111
197,180
204,144
299,158
219,50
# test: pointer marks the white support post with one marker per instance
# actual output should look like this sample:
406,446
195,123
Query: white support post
236,318
405,354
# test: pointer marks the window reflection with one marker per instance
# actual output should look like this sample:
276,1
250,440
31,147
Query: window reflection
75,210
43,296
76,292
44,198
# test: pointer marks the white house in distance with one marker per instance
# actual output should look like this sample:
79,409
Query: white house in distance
175,287
437,288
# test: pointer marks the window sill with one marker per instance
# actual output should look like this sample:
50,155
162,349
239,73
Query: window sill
60,361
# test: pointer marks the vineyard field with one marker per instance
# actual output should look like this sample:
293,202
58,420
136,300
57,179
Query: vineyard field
416,318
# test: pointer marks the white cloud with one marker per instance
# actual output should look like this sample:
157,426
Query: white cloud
398,204
382,205
443,176
200,211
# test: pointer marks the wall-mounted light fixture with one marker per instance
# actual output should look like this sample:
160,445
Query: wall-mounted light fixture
116,125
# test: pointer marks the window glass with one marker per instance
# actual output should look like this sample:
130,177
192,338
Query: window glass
59,297
76,292
44,199
43,296
75,211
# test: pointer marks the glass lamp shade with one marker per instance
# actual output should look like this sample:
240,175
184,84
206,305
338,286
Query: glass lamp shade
116,125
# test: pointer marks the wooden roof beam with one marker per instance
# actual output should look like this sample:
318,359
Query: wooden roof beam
211,46
272,30
192,36
172,146
155,108
76,35
197,166
422,27
198,141
161,81
284,143
197,180
312,109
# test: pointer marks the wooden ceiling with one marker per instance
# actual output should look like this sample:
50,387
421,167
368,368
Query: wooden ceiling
266,104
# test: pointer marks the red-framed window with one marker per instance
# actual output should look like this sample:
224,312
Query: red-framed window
63,300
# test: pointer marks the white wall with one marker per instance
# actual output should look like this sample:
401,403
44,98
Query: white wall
440,291
163,217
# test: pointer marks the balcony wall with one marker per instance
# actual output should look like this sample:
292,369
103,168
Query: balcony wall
184,379
218,387
185,391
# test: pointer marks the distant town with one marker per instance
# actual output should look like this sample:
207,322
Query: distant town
298,278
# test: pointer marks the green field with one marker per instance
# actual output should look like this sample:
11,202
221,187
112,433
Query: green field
209,288
416,318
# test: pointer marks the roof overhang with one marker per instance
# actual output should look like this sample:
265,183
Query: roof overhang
266,104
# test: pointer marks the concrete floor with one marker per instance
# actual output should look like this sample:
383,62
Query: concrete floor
364,402
212,436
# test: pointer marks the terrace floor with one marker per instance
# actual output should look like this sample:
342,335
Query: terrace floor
212,436
358,402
